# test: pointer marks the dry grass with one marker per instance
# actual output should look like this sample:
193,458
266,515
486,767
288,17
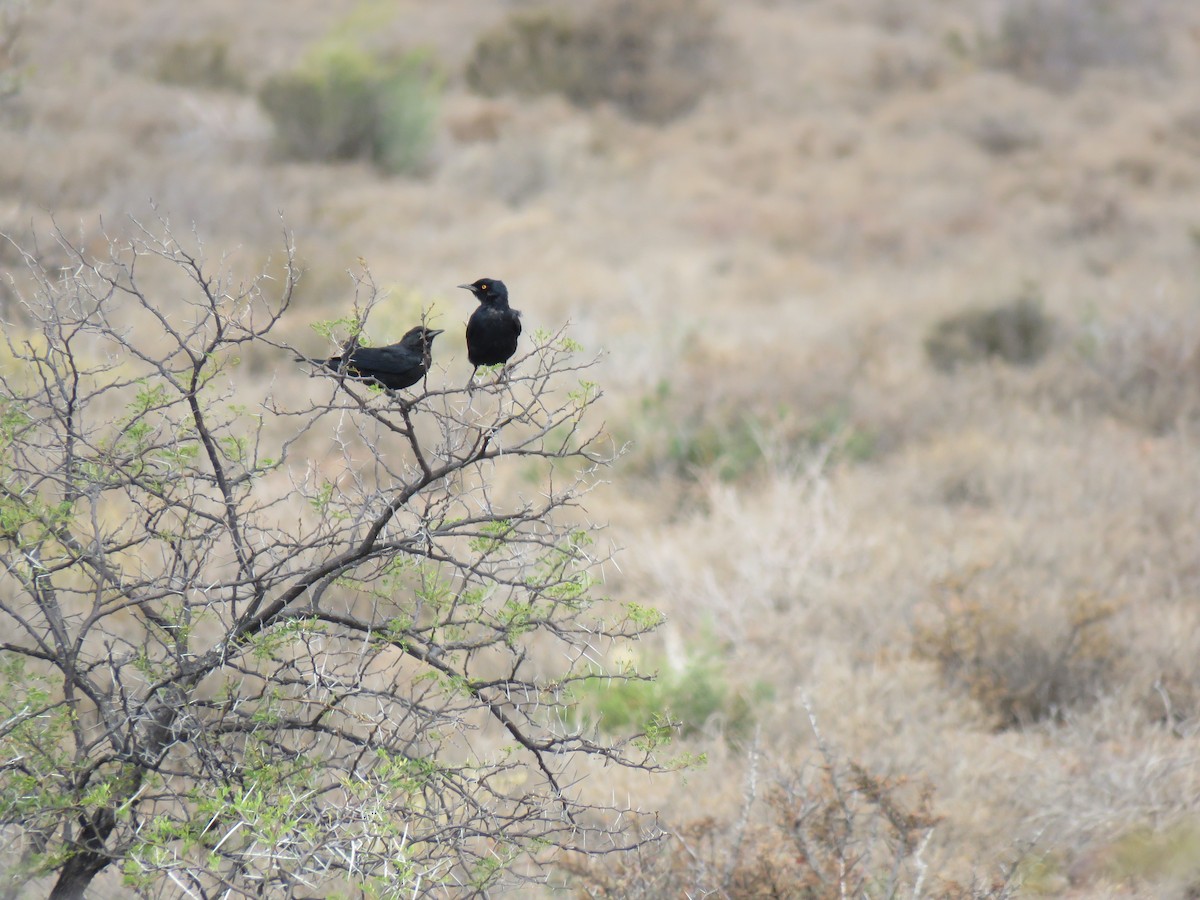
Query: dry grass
776,257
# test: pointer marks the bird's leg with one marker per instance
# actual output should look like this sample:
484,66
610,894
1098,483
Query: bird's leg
471,380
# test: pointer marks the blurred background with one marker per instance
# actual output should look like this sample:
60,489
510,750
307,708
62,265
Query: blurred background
898,308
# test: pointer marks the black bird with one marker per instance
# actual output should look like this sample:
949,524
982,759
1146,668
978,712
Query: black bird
394,366
494,327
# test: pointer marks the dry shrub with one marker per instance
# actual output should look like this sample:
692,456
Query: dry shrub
1019,332
1054,42
1173,700
1003,134
1148,370
1022,660
827,829
899,65
838,830
201,62
653,59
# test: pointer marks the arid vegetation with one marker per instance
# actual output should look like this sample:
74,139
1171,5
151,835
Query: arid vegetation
897,310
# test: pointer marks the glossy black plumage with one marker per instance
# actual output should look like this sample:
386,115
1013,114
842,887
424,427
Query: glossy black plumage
395,366
494,327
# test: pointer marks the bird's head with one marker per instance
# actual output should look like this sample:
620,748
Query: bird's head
488,291
420,338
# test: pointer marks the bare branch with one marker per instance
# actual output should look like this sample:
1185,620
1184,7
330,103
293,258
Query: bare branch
257,641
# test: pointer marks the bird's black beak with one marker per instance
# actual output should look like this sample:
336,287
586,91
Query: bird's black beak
468,287
435,332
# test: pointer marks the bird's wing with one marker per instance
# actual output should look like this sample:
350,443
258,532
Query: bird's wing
393,358
474,324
